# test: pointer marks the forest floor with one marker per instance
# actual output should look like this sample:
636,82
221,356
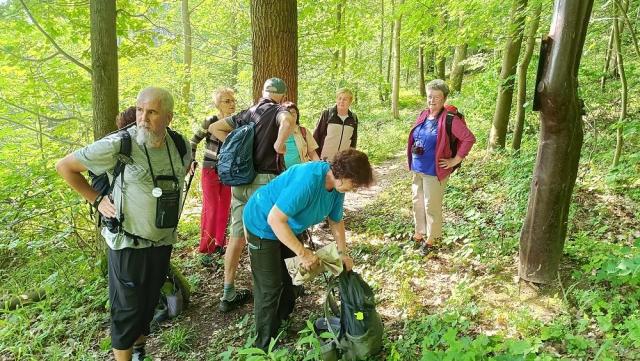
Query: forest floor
413,286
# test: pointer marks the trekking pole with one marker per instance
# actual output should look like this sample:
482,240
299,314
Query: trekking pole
186,190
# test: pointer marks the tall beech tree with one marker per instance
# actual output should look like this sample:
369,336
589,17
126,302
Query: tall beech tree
507,75
522,76
421,84
188,55
620,11
104,64
274,32
440,53
545,225
395,84
457,65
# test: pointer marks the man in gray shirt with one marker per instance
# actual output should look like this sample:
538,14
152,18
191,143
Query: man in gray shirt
145,200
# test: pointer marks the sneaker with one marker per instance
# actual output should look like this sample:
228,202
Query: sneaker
206,260
426,249
138,353
211,259
415,243
242,296
219,251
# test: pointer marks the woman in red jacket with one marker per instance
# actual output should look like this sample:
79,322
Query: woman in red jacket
431,161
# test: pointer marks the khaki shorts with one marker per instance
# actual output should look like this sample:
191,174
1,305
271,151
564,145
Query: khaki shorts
239,197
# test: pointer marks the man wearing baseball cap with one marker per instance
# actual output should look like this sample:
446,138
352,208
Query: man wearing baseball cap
273,125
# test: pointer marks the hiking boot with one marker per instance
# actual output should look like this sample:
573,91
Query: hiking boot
206,260
242,296
139,353
211,259
415,243
426,249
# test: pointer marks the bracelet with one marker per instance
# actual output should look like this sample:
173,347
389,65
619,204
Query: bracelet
96,203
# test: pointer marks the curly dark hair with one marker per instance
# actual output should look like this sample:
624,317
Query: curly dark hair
291,105
353,164
126,117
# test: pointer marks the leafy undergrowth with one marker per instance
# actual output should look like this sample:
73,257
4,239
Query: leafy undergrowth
465,302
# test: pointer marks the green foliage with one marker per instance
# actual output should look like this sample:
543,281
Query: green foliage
178,339
47,239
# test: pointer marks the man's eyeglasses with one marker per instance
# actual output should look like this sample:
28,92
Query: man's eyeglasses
230,101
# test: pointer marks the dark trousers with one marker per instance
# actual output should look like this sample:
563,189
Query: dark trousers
135,279
273,293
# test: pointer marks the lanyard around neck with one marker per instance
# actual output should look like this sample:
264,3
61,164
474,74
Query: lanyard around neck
153,177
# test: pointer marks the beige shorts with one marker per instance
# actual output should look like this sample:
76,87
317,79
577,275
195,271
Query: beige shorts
239,197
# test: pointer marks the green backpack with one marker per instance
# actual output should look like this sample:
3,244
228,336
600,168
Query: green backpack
360,328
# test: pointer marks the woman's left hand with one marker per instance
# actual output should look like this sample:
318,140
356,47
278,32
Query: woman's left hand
347,262
450,162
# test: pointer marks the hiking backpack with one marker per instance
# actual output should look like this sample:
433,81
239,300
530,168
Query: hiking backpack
235,157
100,182
357,333
453,141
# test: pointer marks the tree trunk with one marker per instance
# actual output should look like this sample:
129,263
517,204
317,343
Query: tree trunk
607,60
395,90
336,53
617,41
440,57
522,76
104,62
512,46
13,302
457,67
104,83
545,225
391,36
234,52
381,85
188,56
274,30
440,67
421,86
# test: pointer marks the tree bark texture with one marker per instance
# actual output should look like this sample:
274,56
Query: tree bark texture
440,57
440,67
522,76
104,63
617,41
188,57
274,30
393,6
607,59
545,225
421,86
395,87
338,53
381,84
235,72
457,67
510,56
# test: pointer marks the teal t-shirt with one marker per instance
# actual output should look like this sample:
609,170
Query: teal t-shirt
138,204
292,156
299,193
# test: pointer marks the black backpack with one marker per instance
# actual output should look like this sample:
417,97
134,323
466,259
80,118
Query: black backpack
453,141
100,182
359,335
